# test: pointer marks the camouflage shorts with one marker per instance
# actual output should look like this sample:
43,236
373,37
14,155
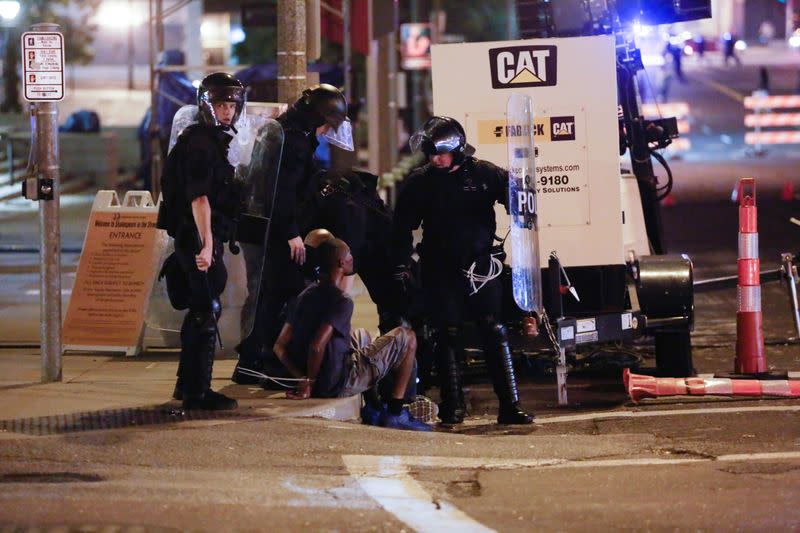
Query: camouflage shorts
373,360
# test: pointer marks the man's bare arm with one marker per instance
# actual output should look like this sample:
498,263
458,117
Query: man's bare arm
316,350
201,212
281,351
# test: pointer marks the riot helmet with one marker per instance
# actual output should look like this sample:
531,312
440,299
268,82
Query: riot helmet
441,135
215,88
322,104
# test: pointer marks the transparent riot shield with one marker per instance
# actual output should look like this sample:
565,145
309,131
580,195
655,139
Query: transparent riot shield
260,177
526,274
185,116
257,154
160,317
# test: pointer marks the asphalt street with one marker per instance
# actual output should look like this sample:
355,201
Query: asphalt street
602,463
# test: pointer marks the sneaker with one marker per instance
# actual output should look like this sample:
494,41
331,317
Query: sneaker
423,409
403,421
370,415
210,401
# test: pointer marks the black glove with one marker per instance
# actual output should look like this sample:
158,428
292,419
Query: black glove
402,274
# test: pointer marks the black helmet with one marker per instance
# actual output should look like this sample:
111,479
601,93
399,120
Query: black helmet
219,87
440,135
322,104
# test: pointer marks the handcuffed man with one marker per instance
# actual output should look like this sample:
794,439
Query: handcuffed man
317,347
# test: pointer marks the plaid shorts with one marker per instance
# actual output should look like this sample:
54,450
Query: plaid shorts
373,360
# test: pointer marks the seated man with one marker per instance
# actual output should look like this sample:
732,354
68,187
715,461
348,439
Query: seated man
316,344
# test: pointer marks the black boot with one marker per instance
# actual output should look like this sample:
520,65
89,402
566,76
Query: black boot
452,407
198,340
177,392
249,360
504,382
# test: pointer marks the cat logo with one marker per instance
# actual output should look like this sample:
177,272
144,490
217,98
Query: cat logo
562,128
523,66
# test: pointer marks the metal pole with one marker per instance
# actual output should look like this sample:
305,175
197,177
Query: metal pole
790,275
50,235
347,51
416,78
153,134
511,21
292,63
130,46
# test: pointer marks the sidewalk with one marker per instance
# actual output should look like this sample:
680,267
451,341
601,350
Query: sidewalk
101,391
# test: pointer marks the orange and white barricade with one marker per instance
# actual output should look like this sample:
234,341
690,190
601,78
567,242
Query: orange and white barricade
640,387
774,119
679,110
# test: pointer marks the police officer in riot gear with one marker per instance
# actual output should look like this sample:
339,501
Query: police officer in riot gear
453,196
346,202
200,203
320,110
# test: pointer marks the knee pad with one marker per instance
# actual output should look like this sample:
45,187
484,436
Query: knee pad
201,320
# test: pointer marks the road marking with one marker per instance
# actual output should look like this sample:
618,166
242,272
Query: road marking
727,91
388,481
673,412
150,366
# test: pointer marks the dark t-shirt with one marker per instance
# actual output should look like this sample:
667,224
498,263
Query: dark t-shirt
317,305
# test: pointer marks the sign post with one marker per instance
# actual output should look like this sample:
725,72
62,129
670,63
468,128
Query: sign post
43,81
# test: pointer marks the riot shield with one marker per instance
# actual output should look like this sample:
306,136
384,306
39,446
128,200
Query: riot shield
185,116
261,149
261,179
526,274
160,317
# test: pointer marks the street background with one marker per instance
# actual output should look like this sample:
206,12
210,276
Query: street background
105,448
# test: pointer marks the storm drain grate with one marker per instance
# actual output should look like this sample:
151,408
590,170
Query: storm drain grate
50,477
84,528
112,419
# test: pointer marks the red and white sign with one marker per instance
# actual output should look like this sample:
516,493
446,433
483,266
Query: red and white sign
43,66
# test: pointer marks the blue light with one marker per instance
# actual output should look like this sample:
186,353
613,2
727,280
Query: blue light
237,35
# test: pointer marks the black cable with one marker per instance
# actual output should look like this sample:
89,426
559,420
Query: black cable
668,187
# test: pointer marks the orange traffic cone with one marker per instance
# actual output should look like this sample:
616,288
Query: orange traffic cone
750,359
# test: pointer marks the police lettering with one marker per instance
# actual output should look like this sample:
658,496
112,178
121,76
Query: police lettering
526,202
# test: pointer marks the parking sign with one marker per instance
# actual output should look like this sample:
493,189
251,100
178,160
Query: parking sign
43,66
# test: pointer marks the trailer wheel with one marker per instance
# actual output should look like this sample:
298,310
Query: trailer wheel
674,353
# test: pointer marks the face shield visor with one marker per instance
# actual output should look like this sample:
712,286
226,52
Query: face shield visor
209,96
341,137
441,144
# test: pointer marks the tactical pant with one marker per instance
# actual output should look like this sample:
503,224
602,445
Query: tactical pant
282,280
448,303
375,270
198,331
